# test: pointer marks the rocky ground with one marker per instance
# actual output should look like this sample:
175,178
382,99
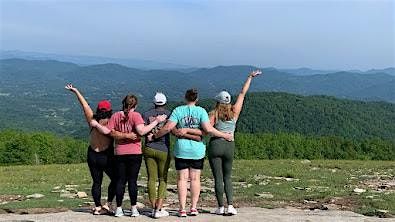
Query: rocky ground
245,214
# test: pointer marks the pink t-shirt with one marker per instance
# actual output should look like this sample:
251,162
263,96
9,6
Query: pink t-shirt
126,146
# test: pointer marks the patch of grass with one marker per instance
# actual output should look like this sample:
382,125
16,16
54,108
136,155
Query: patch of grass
289,181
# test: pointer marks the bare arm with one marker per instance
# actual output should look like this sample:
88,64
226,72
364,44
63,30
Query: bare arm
84,104
120,136
240,99
196,132
144,129
192,137
181,133
211,130
212,120
165,129
102,129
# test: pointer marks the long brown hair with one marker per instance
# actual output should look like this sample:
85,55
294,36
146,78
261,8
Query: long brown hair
128,103
223,112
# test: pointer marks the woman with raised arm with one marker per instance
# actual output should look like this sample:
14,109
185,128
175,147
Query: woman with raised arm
128,152
100,151
189,154
220,151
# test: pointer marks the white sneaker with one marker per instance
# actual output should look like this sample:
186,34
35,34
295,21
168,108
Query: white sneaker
135,212
153,213
119,212
220,210
161,213
193,212
231,210
182,213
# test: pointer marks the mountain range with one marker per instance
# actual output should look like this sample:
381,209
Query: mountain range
149,64
114,81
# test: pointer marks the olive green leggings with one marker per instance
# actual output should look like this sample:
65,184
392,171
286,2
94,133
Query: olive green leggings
220,155
157,163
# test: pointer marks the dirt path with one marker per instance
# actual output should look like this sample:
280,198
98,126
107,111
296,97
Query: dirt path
245,214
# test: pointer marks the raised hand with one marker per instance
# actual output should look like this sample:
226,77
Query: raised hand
70,87
161,118
255,73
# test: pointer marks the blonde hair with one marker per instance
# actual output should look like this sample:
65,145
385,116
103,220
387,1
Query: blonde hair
223,112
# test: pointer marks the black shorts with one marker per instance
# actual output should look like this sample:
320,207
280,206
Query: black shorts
188,163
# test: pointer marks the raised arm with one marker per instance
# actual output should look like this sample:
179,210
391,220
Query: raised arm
240,99
84,104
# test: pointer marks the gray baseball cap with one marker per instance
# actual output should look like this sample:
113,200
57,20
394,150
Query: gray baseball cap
223,97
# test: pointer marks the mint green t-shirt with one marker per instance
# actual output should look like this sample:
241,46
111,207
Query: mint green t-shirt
189,117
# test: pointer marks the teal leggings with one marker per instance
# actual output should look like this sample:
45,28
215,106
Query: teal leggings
220,155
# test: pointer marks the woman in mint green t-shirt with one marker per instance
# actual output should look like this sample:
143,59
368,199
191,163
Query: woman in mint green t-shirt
189,154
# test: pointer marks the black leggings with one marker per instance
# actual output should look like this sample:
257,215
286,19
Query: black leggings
98,163
128,167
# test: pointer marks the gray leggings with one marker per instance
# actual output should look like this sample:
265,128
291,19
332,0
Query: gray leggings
220,155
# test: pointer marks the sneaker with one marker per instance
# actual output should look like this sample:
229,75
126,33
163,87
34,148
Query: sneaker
161,213
231,210
193,212
220,211
182,213
135,212
119,212
153,212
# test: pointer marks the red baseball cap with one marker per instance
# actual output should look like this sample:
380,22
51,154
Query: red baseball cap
104,105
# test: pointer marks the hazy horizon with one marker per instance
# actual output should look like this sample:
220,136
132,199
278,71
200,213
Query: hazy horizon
323,34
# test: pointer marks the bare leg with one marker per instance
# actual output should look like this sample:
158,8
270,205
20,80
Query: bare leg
182,182
195,186
159,203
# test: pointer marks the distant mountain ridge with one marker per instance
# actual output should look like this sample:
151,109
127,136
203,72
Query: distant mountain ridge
115,79
308,71
154,65
90,60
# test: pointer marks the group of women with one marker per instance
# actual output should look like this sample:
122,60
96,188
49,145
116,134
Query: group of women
116,149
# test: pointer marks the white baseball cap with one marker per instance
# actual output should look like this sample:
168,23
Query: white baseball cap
159,99
223,97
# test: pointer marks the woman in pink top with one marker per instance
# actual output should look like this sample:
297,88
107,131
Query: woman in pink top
128,153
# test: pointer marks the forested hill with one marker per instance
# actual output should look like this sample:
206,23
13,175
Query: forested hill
315,115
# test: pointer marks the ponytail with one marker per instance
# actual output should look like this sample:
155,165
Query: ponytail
128,103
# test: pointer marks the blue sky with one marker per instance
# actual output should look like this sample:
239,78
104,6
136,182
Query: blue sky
330,34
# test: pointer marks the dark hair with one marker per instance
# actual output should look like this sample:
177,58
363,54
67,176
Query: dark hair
191,95
102,114
160,106
128,103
